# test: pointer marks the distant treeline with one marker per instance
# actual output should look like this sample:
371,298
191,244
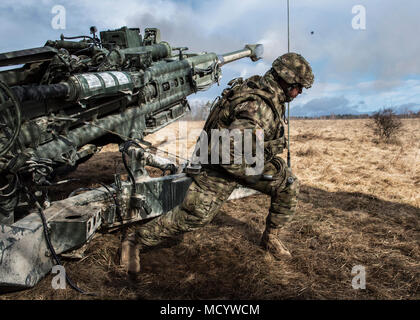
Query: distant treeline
406,115
200,111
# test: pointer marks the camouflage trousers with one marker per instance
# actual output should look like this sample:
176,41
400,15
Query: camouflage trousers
207,193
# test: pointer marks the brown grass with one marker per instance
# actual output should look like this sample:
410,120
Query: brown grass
359,205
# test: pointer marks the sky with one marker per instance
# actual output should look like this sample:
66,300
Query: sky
364,53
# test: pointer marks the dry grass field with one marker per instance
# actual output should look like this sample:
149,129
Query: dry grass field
359,205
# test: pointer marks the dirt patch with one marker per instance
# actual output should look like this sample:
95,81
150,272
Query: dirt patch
307,152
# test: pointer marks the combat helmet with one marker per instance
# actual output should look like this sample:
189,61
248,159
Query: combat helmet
293,68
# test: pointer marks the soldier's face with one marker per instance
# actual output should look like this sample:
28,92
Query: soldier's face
295,92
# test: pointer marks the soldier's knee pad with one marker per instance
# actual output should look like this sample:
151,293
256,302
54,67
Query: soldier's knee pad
200,208
292,182
287,191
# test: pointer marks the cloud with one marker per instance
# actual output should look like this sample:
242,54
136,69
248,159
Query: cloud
407,107
378,65
341,105
385,51
324,106
367,87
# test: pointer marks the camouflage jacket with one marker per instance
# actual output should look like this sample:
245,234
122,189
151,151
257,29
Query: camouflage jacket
254,103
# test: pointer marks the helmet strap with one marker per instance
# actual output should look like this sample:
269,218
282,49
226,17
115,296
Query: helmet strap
283,84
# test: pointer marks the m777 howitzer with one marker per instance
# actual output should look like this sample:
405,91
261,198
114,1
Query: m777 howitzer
67,100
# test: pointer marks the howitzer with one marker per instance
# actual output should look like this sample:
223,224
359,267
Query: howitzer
59,108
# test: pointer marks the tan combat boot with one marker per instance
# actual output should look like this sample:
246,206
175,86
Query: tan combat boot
130,255
270,241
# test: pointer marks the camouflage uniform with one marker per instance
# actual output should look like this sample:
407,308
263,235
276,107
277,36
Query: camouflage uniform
256,103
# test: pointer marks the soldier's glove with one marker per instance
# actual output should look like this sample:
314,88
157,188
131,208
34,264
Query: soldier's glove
271,242
171,167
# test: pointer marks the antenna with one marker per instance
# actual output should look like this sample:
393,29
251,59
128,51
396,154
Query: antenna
288,26
288,104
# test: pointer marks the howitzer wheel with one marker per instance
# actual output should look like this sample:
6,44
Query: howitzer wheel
10,118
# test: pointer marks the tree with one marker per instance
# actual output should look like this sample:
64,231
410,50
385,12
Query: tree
386,124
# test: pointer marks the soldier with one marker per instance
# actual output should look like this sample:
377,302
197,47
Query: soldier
255,103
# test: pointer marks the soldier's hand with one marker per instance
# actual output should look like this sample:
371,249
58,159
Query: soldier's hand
171,168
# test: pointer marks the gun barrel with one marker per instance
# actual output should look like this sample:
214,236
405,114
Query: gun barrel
77,87
254,51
